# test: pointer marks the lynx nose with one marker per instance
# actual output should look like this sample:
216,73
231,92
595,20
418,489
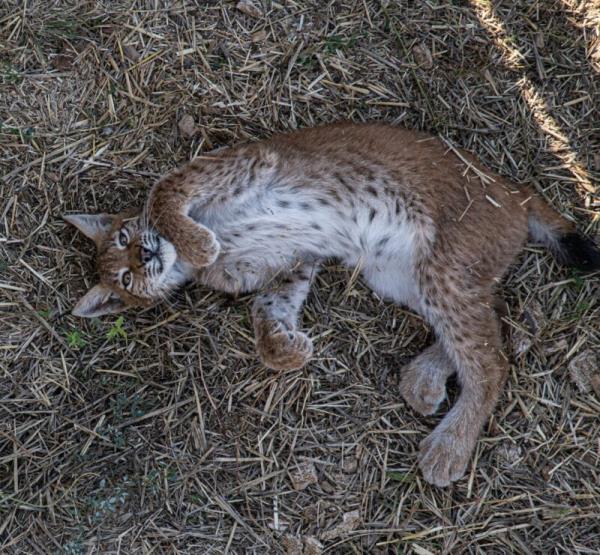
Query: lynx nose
146,255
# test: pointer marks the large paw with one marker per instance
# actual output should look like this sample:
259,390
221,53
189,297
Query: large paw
443,457
422,386
285,350
200,248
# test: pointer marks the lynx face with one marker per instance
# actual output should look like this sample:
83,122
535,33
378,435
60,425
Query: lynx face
137,266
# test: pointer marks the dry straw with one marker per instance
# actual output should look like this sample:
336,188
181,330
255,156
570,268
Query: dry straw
161,432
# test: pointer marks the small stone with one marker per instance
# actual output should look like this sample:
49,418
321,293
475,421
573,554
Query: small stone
131,52
304,475
187,126
423,56
248,7
540,42
259,36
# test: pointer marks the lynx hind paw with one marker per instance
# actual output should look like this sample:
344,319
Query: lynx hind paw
423,389
285,350
443,457
200,250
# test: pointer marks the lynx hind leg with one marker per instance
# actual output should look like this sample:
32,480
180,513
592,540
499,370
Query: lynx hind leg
471,336
423,379
275,314
283,350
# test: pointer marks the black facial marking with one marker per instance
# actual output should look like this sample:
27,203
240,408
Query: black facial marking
372,213
283,203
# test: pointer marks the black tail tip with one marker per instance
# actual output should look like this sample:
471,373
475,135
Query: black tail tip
579,251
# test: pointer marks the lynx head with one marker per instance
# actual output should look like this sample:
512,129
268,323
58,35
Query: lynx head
137,266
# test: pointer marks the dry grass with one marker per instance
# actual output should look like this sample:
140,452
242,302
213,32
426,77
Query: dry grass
162,434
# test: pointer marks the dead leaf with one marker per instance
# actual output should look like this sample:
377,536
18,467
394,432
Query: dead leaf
62,62
350,465
312,546
534,318
521,341
423,56
292,545
533,324
248,7
304,475
582,368
510,453
350,521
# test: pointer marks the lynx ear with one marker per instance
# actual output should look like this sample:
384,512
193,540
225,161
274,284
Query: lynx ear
94,226
99,300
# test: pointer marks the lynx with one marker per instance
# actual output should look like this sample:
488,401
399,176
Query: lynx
429,228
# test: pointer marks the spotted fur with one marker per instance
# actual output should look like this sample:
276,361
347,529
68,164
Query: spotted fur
428,228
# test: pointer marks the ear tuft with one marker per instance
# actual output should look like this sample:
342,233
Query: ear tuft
99,300
94,226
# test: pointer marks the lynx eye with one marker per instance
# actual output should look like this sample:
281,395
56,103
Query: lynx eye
123,239
126,279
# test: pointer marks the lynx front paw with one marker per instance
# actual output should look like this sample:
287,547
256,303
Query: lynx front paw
199,250
423,387
443,457
285,350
